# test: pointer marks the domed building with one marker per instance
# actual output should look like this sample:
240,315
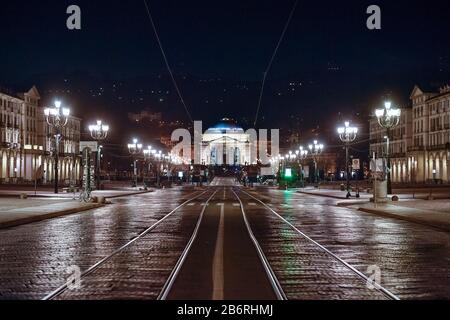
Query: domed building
226,143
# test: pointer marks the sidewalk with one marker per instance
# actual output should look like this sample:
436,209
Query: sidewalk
404,194
15,212
333,193
419,193
411,207
433,213
69,195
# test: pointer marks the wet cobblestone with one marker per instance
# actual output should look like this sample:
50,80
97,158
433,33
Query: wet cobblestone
141,270
414,259
34,258
304,271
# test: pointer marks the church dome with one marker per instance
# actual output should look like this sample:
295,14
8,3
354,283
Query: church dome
225,125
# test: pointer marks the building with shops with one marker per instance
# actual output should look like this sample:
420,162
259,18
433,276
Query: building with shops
27,143
420,144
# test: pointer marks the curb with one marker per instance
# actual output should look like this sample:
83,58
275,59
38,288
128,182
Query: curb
59,197
445,228
129,194
27,220
323,195
351,203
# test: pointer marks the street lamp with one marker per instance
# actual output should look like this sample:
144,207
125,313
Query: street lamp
57,118
148,153
388,118
316,149
134,149
347,134
99,132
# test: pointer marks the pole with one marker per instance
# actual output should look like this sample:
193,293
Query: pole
35,182
302,176
99,155
348,171
388,162
375,180
158,167
316,174
56,162
135,173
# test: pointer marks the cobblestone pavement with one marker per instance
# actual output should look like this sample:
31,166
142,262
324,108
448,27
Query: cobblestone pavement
34,258
414,259
141,270
304,271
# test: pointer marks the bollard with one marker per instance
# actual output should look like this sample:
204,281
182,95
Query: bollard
101,200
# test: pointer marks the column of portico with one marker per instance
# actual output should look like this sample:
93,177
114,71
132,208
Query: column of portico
444,167
403,172
425,166
409,169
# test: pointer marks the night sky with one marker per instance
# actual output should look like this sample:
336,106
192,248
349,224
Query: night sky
342,66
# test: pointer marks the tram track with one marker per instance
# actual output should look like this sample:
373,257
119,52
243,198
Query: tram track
363,278
202,267
265,262
176,270
63,288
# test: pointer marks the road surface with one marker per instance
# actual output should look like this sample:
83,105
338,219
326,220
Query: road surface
224,242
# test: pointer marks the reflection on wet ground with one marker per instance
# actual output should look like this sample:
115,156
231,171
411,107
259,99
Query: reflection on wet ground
414,259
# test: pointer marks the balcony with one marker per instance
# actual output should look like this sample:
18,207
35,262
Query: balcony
439,147
398,155
416,148
8,145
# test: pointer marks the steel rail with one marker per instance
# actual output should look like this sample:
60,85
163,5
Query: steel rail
278,290
380,288
64,287
179,265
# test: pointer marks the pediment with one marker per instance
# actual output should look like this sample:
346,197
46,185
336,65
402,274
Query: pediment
34,92
416,92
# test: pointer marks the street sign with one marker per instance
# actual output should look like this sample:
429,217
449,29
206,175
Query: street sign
306,172
356,164
88,182
377,165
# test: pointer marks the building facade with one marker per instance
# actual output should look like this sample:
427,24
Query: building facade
420,144
27,142
226,144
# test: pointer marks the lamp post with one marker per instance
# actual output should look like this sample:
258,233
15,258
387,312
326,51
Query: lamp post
99,132
57,118
134,149
347,134
316,149
148,153
302,154
388,118
159,158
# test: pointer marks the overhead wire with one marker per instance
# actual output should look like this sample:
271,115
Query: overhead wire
272,59
167,61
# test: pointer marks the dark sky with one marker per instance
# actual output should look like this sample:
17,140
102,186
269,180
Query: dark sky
231,39
234,40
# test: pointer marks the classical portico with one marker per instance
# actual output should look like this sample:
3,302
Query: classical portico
226,144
